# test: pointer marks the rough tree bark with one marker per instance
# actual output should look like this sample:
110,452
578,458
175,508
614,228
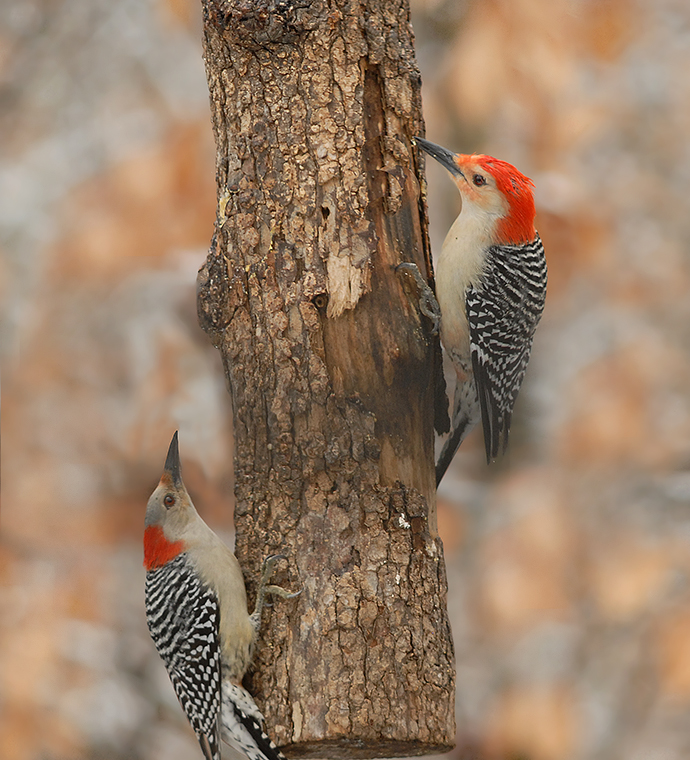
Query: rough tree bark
331,371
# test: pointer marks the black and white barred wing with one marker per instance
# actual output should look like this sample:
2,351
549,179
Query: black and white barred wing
243,725
503,313
183,618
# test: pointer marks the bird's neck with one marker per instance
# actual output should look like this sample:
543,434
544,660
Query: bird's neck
517,226
158,551
463,254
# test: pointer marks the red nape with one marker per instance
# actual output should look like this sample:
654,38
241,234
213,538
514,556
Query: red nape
158,551
518,224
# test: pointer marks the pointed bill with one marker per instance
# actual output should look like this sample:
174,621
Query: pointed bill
172,462
444,156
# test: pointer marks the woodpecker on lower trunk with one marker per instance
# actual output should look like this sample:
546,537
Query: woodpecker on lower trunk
196,610
491,286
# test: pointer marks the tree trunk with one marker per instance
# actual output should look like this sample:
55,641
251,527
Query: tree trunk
331,369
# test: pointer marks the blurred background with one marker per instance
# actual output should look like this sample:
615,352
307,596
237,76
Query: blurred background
568,563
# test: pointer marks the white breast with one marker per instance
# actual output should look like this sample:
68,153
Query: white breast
460,265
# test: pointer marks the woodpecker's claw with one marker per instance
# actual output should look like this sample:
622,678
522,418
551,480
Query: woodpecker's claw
268,564
428,304
282,593
265,588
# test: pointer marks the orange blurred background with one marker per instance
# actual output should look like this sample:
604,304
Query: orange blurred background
568,563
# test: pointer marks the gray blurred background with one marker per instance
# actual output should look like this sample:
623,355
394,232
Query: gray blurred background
568,563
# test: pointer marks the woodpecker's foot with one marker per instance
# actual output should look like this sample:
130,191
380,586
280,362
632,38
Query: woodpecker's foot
266,588
428,304
283,593
268,565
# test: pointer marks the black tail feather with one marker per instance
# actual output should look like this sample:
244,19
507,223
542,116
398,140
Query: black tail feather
451,445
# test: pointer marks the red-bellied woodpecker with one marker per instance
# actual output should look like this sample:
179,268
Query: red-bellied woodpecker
196,609
491,286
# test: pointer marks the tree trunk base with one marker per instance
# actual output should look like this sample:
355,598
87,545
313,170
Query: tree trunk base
348,749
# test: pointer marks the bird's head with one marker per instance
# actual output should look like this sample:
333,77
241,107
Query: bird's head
168,512
492,187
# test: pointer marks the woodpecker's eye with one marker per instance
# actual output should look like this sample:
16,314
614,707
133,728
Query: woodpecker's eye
169,500
479,180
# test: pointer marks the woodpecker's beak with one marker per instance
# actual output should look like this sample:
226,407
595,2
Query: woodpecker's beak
444,156
172,462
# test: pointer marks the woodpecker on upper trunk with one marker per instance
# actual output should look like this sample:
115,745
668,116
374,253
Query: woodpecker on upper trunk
196,610
491,287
